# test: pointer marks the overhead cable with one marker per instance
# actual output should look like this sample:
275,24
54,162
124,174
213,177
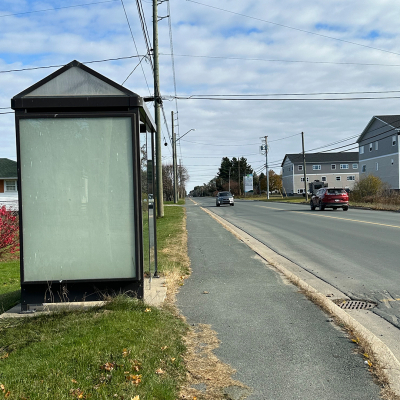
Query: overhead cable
296,29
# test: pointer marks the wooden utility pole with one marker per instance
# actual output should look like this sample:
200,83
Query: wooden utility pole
157,102
266,165
239,174
304,166
174,169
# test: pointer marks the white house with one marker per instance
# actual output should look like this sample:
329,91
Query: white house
8,184
338,170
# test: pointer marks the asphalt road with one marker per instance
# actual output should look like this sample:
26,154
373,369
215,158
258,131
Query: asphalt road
357,251
281,344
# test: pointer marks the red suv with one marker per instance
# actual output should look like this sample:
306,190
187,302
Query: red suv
330,198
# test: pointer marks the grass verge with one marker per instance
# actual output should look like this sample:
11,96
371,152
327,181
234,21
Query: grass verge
123,350
10,292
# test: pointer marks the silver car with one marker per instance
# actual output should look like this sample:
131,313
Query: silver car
224,198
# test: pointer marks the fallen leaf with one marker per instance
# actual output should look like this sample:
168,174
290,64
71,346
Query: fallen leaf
7,394
108,366
173,359
135,379
147,310
159,371
164,348
125,352
2,387
4,356
366,355
135,398
74,381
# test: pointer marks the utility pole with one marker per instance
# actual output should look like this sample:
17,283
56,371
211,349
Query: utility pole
266,165
174,169
304,167
157,102
229,179
239,174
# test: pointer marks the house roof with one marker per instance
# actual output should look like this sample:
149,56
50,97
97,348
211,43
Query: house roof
322,157
392,121
8,168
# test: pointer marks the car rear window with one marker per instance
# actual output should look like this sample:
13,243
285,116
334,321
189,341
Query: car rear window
336,191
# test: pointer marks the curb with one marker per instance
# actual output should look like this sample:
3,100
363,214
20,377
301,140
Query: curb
389,363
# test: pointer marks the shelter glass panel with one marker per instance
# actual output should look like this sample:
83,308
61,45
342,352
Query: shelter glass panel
78,198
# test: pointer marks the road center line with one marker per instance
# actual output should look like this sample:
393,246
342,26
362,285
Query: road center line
343,219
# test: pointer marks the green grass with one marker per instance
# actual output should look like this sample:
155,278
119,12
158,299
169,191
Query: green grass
65,355
171,253
10,292
181,202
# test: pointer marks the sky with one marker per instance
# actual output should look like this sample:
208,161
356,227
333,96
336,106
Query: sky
243,69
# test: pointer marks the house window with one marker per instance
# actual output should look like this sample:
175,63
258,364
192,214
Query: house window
363,168
344,166
299,191
376,145
316,167
11,186
323,179
338,178
394,140
333,166
355,166
370,147
361,149
351,178
300,167
302,179
376,166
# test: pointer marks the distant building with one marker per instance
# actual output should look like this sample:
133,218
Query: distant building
336,169
8,184
379,149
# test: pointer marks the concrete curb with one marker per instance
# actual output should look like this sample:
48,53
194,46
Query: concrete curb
389,363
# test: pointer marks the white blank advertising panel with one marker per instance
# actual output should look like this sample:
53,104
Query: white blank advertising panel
77,198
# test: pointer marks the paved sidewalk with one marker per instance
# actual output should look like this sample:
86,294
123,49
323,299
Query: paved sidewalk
282,345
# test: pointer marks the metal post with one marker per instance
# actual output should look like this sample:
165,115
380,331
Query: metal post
304,166
229,179
175,180
157,101
266,165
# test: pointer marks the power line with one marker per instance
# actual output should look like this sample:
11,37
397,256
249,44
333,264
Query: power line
283,61
296,29
134,42
57,8
62,65
286,99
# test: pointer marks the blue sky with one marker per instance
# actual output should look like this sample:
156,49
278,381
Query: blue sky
257,47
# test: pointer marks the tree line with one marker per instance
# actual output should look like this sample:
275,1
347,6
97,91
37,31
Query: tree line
230,178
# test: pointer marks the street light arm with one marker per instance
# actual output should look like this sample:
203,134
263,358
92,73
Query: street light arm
184,134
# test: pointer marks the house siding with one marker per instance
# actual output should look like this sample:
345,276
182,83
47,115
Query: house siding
380,132
287,177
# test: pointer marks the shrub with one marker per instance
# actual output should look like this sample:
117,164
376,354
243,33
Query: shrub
9,231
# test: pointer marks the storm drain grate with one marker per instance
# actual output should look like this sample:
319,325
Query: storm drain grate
356,305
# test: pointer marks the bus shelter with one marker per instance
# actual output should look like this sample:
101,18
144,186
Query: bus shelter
85,148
